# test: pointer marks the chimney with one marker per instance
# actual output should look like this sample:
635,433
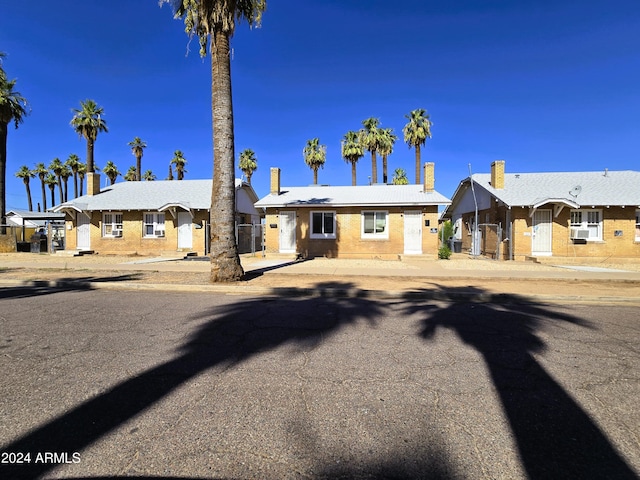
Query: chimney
93,183
275,181
497,174
429,177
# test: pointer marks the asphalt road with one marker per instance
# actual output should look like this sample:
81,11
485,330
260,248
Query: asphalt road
116,384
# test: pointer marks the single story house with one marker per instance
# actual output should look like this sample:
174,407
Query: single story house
148,217
372,221
563,214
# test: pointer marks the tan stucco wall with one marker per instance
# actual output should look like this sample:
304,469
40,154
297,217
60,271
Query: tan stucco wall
349,241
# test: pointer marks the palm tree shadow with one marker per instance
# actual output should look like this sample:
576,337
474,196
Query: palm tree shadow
555,437
227,335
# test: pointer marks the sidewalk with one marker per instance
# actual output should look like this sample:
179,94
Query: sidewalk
283,275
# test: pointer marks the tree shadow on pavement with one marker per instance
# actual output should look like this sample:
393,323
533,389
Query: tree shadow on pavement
32,288
556,438
227,335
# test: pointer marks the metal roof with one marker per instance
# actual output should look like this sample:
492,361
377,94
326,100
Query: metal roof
377,195
580,188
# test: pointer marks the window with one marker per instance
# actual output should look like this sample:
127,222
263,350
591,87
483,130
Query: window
374,225
637,225
112,225
153,225
323,224
589,220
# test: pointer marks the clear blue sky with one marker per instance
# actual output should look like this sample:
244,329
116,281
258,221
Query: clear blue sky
547,85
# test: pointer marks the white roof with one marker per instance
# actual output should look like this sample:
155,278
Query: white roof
147,195
579,188
378,195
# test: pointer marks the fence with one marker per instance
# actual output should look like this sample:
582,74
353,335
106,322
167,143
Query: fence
250,238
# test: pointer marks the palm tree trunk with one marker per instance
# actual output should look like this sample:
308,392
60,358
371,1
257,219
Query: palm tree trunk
61,191
384,169
26,184
53,197
138,167
353,173
3,175
75,184
44,194
418,164
90,167
374,167
225,262
315,176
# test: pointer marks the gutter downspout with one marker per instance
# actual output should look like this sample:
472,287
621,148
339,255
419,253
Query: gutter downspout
474,235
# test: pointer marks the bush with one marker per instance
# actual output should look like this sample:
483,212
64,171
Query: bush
444,253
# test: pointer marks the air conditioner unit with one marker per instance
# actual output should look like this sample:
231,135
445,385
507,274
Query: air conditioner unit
117,233
579,234
159,233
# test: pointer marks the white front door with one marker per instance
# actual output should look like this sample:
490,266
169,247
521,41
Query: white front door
413,232
185,237
287,232
83,232
541,235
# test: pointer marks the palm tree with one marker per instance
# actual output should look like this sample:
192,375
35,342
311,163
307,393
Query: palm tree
132,174
400,177
87,122
65,173
416,132
248,163
179,161
82,171
148,176
41,170
314,156
51,182
370,140
352,151
387,140
111,171
26,174
213,22
13,107
56,167
137,148
73,162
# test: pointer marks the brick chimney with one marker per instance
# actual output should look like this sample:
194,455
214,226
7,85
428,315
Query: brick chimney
429,177
497,174
275,181
93,183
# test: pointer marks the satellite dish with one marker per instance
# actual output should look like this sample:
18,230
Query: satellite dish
575,191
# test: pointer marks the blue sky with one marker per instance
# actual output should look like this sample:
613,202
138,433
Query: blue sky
544,85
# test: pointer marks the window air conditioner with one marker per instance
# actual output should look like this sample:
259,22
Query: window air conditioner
117,233
159,233
579,234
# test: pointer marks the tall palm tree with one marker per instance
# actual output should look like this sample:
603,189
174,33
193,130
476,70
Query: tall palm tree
88,123
73,162
370,139
387,140
56,168
248,163
149,176
41,170
51,182
400,177
314,156
65,173
416,132
82,171
137,148
179,161
111,171
352,151
13,108
26,174
131,175
213,23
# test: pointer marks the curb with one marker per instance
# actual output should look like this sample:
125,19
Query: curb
436,295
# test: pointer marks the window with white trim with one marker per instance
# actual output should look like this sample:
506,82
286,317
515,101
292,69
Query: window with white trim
590,220
637,225
112,224
375,224
323,224
153,226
